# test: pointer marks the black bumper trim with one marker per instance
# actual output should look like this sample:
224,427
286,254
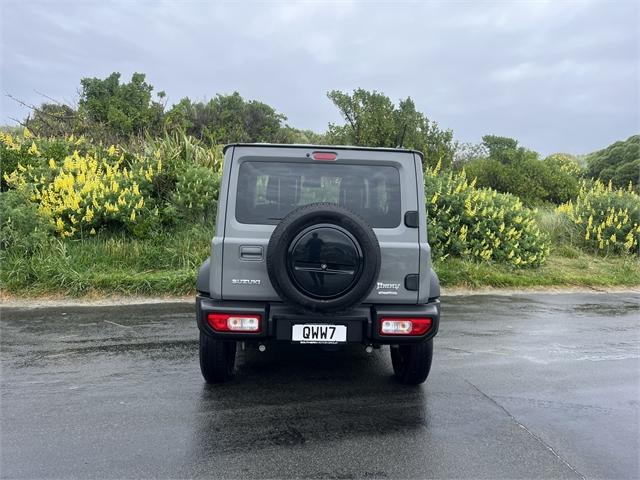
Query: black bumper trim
362,322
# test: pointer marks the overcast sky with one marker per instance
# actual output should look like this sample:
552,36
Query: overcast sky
558,76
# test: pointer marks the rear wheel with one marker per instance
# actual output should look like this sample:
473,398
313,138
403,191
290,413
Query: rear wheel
217,359
411,363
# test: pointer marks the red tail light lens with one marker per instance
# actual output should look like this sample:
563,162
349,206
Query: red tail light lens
235,322
326,156
405,325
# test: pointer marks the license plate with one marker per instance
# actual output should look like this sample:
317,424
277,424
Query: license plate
313,333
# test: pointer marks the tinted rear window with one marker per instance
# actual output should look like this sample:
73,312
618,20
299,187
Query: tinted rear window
267,191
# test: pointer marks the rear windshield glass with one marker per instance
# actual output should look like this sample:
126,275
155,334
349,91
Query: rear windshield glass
267,191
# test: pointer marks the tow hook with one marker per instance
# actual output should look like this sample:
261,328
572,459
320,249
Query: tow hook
368,348
262,347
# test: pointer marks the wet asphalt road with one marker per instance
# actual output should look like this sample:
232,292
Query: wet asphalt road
521,386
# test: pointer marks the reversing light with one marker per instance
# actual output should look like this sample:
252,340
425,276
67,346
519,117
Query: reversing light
326,156
234,322
404,325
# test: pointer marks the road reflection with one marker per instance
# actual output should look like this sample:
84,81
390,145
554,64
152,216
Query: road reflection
294,395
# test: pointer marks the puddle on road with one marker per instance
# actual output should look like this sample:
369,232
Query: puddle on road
167,350
135,347
609,310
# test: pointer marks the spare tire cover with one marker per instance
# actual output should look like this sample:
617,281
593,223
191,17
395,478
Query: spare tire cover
323,258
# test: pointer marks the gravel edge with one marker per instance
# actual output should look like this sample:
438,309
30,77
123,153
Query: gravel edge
12,301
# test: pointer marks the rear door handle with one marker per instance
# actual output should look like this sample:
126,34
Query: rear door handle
251,252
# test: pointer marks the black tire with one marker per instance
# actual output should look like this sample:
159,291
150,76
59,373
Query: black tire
313,214
412,363
217,359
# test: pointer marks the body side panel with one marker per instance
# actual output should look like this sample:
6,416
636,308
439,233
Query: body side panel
217,244
425,248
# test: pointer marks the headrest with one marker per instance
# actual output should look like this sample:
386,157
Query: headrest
282,190
352,193
273,189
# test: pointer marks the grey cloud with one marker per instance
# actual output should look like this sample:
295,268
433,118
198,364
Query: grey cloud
559,76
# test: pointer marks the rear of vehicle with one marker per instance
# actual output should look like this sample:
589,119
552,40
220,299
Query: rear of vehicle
319,245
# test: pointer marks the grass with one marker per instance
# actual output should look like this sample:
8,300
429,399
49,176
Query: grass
116,265
562,269
167,265
567,266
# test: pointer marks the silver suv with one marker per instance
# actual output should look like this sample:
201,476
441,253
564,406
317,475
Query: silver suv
322,246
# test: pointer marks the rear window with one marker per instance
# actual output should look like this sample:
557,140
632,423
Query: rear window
267,191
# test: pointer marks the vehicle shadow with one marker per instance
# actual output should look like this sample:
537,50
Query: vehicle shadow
293,394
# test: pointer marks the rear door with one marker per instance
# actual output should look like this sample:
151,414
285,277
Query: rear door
266,183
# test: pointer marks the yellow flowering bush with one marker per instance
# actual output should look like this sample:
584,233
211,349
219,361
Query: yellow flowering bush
83,192
24,150
465,221
607,219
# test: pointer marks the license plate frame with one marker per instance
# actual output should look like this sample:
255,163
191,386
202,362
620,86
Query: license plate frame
318,333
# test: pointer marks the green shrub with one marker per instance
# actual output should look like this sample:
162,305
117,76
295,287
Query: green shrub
483,224
533,181
179,150
558,228
22,228
516,170
607,219
565,163
196,194
618,163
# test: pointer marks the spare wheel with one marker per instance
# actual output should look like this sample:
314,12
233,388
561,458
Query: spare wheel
323,258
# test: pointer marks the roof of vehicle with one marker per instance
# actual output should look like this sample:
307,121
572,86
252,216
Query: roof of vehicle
324,147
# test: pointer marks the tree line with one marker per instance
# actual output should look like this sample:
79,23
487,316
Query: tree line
114,111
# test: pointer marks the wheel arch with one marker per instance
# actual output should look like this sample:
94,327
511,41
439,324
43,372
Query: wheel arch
202,282
434,285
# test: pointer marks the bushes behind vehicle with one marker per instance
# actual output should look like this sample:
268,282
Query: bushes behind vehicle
189,185
22,227
195,195
27,150
607,220
509,168
76,189
83,188
480,223
618,163
83,193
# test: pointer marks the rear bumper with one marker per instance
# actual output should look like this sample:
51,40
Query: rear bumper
363,322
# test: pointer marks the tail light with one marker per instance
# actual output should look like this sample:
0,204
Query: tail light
405,325
325,156
234,322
